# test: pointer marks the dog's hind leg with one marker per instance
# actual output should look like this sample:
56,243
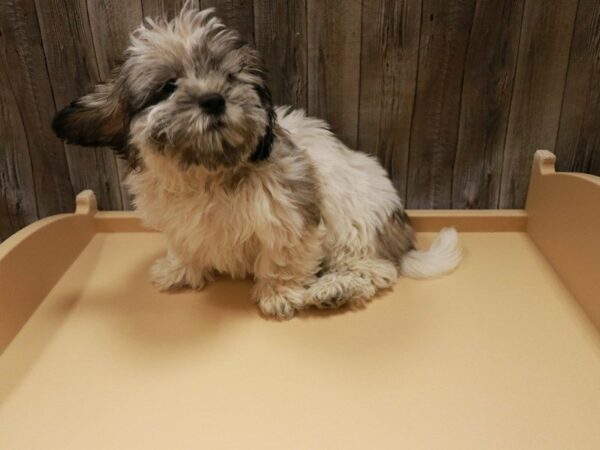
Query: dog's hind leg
353,282
282,274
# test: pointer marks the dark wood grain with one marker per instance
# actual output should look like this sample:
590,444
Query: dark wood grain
446,25
578,143
488,82
453,96
546,35
111,23
334,34
238,14
17,189
161,8
280,35
25,71
70,55
388,78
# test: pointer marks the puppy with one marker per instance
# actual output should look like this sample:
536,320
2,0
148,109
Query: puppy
241,187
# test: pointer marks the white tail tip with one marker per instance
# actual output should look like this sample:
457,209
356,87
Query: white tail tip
443,257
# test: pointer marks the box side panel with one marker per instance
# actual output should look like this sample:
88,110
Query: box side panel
32,261
564,222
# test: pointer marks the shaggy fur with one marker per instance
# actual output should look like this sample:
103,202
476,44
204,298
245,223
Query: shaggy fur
240,187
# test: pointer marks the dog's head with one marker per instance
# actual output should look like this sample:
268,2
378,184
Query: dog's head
190,89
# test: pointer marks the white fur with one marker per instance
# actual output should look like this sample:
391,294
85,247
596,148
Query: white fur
443,257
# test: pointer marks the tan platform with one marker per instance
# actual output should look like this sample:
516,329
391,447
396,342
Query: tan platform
502,354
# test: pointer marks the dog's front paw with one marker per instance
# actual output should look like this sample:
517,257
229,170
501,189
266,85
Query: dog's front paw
279,301
335,290
278,306
167,273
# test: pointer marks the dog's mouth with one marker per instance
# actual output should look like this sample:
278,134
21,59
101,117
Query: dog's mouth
215,124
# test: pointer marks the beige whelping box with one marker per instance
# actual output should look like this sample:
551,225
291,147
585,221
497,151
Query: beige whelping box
502,354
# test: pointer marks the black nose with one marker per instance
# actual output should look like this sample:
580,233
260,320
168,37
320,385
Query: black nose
212,103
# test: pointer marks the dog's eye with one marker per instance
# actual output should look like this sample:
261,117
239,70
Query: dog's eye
162,93
169,87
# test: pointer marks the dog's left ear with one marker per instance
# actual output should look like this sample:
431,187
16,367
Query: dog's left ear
97,119
263,149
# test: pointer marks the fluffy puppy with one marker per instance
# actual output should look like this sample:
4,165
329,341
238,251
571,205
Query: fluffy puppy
240,187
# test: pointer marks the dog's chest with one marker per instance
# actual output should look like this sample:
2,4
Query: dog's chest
209,227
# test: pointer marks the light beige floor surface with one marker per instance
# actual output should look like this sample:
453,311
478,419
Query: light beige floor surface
495,356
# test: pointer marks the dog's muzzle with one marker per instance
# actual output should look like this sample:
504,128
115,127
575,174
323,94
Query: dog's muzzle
212,103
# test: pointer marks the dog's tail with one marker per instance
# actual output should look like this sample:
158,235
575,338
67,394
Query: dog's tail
443,257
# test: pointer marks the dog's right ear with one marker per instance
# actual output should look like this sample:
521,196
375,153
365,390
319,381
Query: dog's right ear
97,119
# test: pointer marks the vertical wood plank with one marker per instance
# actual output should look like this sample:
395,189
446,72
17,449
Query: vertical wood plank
487,87
334,32
538,89
17,189
161,8
238,14
71,63
280,34
111,22
445,30
453,96
578,143
25,69
388,77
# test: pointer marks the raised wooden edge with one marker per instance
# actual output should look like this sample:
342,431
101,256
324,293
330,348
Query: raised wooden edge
544,163
469,220
32,261
85,203
564,223
422,220
119,222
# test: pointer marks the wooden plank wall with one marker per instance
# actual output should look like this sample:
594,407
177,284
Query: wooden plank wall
453,96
